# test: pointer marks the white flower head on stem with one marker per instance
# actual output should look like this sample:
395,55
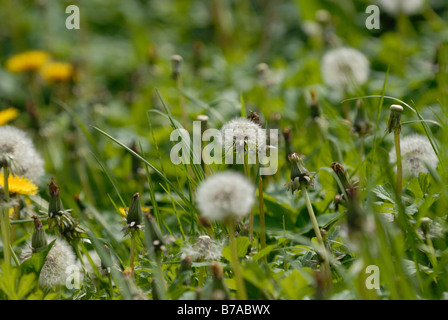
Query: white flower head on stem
204,249
345,68
18,153
225,195
245,135
395,7
416,154
60,257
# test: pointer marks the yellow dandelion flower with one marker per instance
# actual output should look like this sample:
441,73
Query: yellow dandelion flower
8,115
11,212
27,61
57,72
18,185
123,211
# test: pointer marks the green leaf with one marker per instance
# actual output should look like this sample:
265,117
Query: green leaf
37,261
263,252
296,286
242,244
384,192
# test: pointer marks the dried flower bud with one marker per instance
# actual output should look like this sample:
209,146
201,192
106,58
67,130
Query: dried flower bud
204,122
55,205
361,124
300,176
176,61
219,288
155,233
39,238
263,74
394,123
314,105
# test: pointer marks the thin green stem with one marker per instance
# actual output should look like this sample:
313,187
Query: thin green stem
240,288
251,214
262,218
132,255
326,271
14,256
312,216
399,165
4,222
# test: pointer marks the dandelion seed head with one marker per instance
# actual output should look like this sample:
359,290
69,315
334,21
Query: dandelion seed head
225,195
18,150
416,150
243,132
394,7
60,257
203,249
345,68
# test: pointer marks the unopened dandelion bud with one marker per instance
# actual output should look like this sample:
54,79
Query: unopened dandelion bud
176,61
39,239
135,213
185,264
314,105
219,288
394,123
155,233
323,16
263,73
204,222
55,205
361,125
204,122
340,172
425,225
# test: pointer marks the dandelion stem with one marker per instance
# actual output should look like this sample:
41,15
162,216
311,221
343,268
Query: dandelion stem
240,288
14,256
399,165
262,218
312,216
326,265
4,222
251,215
182,102
132,255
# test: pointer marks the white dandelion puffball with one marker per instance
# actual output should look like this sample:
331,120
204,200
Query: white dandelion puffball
60,257
19,151
203,249
407,7
225,195
243,132
416,150
344,68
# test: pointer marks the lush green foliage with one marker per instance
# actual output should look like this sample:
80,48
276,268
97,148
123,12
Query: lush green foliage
105,135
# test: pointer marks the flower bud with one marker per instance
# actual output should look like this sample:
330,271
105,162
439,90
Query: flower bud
176,61
361,124
300,176
219,288
314,105
155,233
394,123
135,213
55,205
39,238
